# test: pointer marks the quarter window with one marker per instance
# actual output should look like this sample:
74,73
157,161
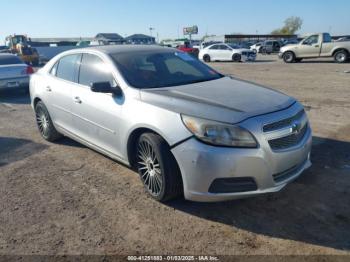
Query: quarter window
67,67
54,69
94,70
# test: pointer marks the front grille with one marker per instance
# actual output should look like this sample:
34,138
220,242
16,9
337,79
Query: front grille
288,141
245,53
280,177
283,123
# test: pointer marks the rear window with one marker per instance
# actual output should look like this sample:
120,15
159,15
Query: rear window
10,60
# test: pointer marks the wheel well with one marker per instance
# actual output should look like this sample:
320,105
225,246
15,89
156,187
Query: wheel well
289,51
131,145
36,100
340,49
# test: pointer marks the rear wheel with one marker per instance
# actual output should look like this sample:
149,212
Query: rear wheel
341,56
289,57
44,123
157,168
206,58
236,58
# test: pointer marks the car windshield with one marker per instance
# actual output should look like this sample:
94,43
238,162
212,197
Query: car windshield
10,60
155,69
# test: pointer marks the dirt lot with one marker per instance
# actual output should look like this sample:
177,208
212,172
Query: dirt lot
64,198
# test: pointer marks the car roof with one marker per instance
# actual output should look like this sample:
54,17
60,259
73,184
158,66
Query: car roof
117,49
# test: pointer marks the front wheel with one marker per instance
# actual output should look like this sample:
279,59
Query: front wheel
44,123
157,168
236,58
206,58
289,57
341,56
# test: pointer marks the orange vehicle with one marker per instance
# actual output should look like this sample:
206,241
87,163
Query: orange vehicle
18,44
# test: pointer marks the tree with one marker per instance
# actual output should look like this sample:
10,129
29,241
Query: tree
291,26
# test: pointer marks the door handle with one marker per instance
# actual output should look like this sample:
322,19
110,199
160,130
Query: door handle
48,89
77,100
317,46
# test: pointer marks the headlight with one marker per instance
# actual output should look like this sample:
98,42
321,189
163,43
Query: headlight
219,134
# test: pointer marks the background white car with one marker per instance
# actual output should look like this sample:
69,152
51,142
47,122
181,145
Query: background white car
256,47
226,52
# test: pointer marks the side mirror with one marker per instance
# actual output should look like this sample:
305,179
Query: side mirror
105,87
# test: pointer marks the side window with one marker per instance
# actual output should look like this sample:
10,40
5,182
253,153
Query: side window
94,70
214,47
224,47
311,40
67,67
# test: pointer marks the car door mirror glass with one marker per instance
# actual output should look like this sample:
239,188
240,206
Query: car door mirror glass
105,87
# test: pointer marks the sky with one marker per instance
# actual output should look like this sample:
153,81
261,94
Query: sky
86,18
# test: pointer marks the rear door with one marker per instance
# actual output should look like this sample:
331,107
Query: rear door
214,52
96,116
225,53
58,88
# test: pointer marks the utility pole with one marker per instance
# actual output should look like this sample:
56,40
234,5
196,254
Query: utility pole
151,29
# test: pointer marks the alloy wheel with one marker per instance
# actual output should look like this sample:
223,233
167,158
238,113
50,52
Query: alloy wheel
42,119
149,168
340,57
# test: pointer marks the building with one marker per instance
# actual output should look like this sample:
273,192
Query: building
137,39
109,38
242,38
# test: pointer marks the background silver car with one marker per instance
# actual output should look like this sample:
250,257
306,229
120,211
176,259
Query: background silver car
183,126
14,73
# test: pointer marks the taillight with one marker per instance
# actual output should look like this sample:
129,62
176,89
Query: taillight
30,70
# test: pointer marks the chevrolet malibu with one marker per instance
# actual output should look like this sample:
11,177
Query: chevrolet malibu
187,129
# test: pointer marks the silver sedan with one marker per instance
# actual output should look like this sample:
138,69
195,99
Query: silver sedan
14,73
187,129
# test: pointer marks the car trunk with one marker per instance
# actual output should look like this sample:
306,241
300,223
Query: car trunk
12,71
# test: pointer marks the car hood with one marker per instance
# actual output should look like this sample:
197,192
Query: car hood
226,100
288,47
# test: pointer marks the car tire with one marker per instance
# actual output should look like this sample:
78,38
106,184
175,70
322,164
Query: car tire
236,58
289,57
158,168
44,123
206,58
341,56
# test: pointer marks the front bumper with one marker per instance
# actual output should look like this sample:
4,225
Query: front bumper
14,83
201,164
246,58
280,55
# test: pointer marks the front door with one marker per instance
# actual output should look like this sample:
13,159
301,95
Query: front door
96,116
310,47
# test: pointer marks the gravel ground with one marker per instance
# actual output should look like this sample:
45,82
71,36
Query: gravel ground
64,198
